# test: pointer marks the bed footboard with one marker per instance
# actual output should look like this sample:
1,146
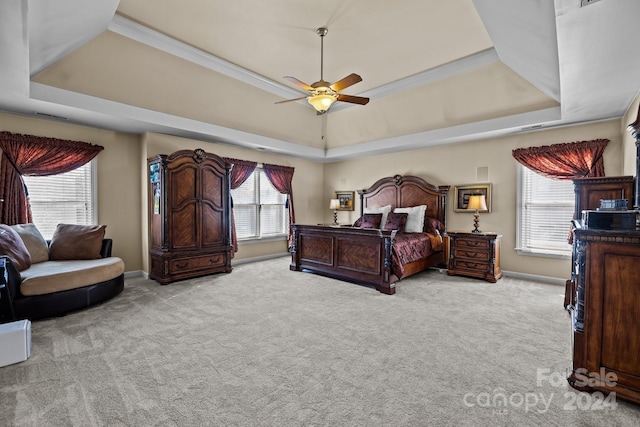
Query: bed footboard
351,254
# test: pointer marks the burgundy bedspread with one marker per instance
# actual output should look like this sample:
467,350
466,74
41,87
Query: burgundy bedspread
409,247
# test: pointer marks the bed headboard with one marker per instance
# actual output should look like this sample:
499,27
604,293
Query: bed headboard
406,191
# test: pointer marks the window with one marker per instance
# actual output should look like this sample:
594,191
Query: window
545,212
259,210
64,198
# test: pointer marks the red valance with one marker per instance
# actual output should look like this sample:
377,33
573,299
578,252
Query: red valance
565,161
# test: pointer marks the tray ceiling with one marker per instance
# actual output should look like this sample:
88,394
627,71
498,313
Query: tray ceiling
436,72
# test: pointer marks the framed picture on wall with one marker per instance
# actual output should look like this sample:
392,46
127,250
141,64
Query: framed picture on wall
462,193
346,200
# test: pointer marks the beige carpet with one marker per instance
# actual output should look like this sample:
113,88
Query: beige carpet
264,346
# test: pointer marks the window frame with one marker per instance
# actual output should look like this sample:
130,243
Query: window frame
93,188
260,238
520,248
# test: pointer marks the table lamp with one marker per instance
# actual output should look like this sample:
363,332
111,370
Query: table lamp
477,203
335,205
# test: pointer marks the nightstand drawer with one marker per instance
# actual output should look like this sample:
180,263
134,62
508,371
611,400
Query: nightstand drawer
471,255
482,244
464,264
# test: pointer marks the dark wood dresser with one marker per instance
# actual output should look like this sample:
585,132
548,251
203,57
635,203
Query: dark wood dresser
605,312
189,215
474,255
588,192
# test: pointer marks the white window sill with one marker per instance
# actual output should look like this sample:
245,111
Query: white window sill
544,254
253,240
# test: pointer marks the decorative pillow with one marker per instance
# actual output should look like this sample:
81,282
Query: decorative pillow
396,221
72,241
370,221
415,218
384,210
432,225
11,245
33,240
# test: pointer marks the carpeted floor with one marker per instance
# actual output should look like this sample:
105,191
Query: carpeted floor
264,346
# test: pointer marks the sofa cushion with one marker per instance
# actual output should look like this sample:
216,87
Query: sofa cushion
33,240
55,276
11,245
76,242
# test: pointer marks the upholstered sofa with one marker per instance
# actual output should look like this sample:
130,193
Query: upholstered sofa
72,271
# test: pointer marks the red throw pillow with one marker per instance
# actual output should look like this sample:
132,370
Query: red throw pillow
369,221
11,245
396,221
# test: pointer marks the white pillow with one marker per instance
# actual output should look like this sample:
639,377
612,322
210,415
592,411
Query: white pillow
415,218
384,210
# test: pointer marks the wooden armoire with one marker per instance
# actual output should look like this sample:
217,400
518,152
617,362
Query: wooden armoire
189,215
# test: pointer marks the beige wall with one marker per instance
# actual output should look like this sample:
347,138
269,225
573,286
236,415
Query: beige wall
122,178
118,178
307,185
456,164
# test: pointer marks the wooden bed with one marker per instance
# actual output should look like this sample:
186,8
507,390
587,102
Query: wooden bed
364,256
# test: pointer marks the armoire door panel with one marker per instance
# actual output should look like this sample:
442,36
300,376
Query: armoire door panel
183,185
213,187
184,233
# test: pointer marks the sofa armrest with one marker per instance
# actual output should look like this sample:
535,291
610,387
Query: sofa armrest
105,250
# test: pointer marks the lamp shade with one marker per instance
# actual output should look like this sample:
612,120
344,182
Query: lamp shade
321,102
477,203
334,204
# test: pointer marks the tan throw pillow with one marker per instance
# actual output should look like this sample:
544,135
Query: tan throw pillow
11,245
33,240
72,241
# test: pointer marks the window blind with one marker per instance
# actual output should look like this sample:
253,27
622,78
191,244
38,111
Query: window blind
546,209
64,198
259,209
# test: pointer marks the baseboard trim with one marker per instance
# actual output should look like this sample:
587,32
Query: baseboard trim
535,278
235,262
135,273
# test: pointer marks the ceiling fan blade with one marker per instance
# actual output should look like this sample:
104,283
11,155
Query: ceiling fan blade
353,99
290,100
351,79
298,82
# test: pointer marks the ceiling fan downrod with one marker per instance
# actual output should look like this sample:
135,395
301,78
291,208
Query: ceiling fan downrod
322,31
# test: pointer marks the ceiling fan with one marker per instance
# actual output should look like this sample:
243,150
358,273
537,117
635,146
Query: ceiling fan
323,94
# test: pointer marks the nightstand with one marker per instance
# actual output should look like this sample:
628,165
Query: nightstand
474,255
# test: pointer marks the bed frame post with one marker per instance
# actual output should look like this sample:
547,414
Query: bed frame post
387,287
295,262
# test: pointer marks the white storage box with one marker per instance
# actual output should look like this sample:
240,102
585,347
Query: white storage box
15,342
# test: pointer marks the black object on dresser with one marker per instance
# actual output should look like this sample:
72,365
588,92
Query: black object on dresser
189,215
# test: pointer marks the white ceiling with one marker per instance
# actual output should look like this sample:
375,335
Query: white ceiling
436,72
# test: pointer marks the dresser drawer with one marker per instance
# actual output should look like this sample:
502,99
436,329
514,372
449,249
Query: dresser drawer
196,263
471,255
470,265
462,243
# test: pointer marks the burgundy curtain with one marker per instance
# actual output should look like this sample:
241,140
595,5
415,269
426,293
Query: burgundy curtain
565,161
281,177
241,170
34,156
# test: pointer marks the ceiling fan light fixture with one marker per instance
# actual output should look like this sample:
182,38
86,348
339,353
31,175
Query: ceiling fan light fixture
321,102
